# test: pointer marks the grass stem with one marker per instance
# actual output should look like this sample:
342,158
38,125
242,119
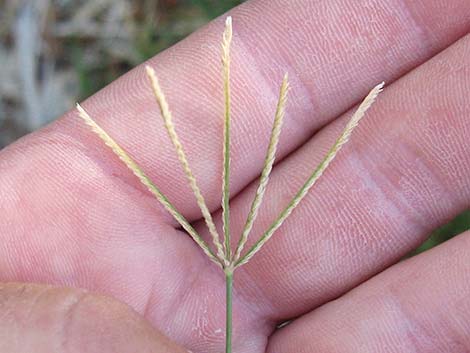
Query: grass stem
228,311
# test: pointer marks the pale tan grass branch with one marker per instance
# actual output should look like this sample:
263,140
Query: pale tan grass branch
267,168
138,172
170,127
358,115
226,41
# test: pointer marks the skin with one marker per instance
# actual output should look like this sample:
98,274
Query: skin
74,216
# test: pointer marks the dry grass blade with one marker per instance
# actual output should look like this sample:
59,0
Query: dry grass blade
268,166
358,115
134,167
227,39
170,127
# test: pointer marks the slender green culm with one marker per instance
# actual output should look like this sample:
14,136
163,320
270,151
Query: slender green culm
228,310
268,166
223,256
145,180
170,127
226,41
357,116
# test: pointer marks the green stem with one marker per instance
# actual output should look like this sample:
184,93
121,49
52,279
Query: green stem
228,311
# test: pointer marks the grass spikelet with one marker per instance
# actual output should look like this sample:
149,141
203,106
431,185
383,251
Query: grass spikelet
226,41
138,172
170,127
267,168
344,137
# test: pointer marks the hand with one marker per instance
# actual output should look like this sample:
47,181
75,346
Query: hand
73,215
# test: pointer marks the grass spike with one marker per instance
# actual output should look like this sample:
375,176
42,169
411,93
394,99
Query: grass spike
170,127
344,137
138,172
267,168
226,41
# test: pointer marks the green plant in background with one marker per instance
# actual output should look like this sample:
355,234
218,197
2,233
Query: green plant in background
154,26
221,253
213,8
458,225
160,29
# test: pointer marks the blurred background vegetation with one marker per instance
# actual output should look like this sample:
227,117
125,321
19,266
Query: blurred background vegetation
54,53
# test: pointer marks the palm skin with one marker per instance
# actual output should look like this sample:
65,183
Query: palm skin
74,216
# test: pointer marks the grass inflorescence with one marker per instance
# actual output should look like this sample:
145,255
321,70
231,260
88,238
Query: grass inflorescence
226,258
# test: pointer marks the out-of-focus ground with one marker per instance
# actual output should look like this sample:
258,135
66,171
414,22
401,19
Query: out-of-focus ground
54,53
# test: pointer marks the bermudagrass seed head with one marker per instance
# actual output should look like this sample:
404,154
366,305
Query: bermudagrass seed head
223,258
